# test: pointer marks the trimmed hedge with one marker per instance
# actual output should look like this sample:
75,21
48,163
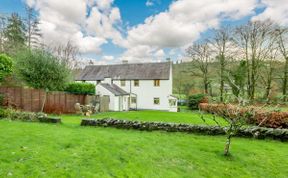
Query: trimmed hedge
26,116
273,119
80,88
255,132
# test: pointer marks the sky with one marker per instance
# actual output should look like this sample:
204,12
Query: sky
110,31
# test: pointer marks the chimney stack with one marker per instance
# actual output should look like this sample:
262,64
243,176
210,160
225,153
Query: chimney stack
125,62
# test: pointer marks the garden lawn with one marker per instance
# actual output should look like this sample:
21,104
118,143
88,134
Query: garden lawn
188,117
69,150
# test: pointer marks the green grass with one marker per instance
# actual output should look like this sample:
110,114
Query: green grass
69,150
187,117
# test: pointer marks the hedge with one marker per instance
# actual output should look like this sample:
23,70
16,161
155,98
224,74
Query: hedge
195,100
80,88
255,132
272,119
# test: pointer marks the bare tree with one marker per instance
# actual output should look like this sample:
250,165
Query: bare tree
267,77
254,39
32,27
282,40
67,53
222,46
201,59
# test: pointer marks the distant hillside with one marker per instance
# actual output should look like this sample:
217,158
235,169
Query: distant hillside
186,82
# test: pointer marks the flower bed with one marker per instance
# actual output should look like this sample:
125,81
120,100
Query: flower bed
253,115
256,132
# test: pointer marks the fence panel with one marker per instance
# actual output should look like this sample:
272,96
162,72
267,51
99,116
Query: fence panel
32,100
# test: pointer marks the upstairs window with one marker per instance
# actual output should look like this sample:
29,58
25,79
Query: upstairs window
156,101
156,83
122,83
136,83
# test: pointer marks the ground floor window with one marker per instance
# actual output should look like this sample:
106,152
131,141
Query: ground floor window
172,102
133,100
157,101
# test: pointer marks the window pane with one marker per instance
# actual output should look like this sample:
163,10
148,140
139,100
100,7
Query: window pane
156,83
136,83
133,100
123,83
156,100
172,102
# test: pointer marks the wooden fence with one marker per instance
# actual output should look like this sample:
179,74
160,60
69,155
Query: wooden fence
32,100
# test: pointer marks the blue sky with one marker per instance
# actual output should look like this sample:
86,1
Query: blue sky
140,30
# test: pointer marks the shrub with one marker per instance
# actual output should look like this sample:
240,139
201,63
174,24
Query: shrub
80,88
13,114
195,100
41,70
253,115
5,66
3,113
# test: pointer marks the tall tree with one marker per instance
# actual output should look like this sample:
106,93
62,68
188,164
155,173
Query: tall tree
222,46
269,67
2,26
14,34
282,40
254,39
32,28
41,70
201,59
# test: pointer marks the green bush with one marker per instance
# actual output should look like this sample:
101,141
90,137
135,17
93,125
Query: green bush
5,66
195,100
41,70
80,88
4,113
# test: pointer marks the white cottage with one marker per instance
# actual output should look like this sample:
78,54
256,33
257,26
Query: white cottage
141,86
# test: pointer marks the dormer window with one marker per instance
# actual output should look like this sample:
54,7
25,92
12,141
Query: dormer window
156,83
122,83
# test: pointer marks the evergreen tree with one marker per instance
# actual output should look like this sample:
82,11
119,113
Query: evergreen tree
14,34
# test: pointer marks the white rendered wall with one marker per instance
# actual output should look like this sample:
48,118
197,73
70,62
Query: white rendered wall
146,92
113,104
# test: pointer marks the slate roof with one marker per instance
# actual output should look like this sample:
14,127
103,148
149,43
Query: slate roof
139,71
117,91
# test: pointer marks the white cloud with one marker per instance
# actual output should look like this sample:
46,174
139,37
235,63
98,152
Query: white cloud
104,4
276,10
92,23
149,3
62,21
182,24
108,58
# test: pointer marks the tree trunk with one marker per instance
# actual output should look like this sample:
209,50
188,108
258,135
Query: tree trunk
44,101
222,68
269,83
227,145
285,81
206,84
